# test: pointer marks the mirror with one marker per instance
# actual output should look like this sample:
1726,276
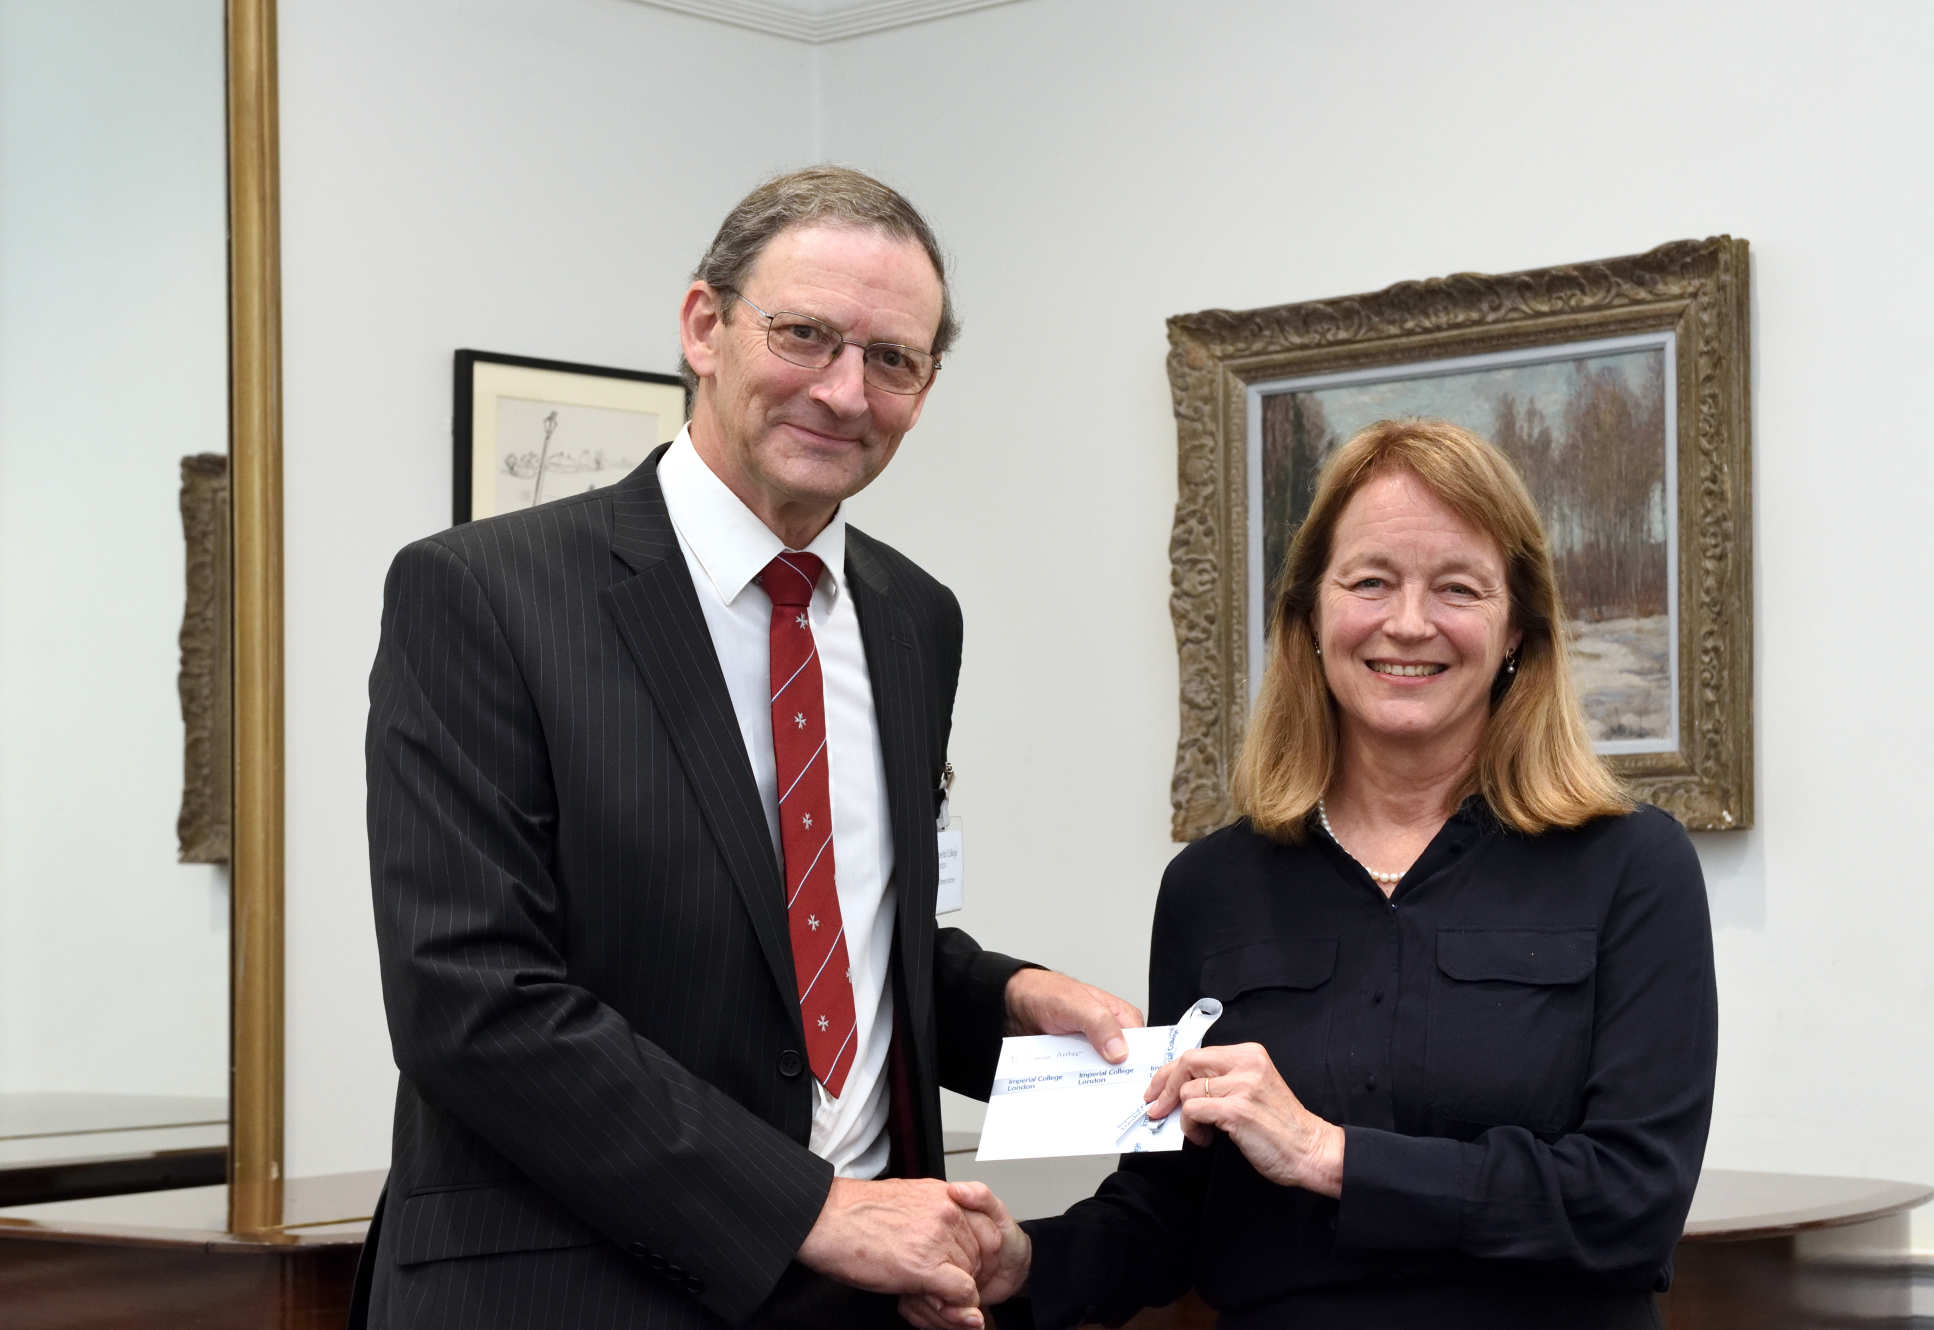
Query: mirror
138,325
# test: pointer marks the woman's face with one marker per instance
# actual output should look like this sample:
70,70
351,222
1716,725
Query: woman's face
1413,616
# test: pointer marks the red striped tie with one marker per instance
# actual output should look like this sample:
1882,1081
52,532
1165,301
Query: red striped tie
806,822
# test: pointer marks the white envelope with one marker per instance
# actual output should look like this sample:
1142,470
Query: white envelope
1054,1095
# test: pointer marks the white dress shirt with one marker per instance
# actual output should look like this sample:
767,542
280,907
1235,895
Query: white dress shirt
726,547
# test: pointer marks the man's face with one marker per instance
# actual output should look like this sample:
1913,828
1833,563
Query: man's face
793,443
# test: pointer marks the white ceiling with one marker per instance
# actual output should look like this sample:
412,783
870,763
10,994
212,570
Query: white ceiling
816,21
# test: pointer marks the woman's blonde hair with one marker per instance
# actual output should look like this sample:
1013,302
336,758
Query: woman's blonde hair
1535,765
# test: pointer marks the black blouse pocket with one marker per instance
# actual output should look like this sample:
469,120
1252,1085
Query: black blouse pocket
1273,994
1511,1026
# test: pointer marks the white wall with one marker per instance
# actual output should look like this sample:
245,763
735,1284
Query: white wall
539,179
1098,165
505,175
113,365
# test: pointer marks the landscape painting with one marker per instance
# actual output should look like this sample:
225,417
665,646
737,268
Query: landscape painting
1620,387
1590,427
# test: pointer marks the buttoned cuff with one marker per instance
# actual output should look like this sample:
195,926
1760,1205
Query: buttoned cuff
1055,1299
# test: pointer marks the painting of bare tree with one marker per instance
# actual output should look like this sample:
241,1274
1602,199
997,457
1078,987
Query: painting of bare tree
1590,429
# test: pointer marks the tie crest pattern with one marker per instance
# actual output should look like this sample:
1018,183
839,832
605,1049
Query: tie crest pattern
819,959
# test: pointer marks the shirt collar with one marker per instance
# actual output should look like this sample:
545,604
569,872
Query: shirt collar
730,543
1470,822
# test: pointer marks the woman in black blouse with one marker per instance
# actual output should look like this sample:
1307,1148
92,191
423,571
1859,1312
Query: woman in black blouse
1465,1067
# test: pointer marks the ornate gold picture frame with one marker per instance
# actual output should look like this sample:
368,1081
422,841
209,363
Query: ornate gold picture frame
1621,389
207,665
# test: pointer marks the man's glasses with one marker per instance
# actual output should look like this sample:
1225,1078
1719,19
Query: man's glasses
805,340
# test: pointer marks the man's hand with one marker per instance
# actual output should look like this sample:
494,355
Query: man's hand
1043,1002
1003,1271
905,1236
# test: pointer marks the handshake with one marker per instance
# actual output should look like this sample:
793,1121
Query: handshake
947,1247
944,1247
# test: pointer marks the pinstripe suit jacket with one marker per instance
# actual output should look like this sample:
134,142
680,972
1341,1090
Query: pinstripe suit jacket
603,1107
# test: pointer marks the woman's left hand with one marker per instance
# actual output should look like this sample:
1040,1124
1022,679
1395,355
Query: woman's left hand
1235,1089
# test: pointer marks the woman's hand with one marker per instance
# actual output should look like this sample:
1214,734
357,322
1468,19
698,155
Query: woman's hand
1235,1089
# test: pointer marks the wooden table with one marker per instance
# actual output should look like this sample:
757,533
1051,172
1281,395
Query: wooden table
62,1146
164,1258
1740,1263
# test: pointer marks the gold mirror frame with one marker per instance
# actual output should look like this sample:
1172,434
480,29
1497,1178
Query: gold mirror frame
255,468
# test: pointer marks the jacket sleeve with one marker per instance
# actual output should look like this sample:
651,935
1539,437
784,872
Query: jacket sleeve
970,983
970,1006
1132,1244
484,1018
1609,1198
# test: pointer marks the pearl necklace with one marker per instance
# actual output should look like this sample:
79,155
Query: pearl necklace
1384,879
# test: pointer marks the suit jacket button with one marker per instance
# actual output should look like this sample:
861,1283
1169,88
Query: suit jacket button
790,1064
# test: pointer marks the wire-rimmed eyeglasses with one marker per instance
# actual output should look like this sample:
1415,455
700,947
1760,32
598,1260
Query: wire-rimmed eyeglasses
813,343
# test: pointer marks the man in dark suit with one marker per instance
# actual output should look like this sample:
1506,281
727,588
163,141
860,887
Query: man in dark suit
654,774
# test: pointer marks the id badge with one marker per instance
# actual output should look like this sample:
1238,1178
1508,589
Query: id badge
953,874
952,892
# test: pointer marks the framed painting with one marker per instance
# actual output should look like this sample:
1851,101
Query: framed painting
528,430
1619,388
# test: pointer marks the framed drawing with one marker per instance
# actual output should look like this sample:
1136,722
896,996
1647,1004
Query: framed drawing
1620,390
527,430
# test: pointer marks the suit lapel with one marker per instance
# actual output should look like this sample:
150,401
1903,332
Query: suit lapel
901,683
657,613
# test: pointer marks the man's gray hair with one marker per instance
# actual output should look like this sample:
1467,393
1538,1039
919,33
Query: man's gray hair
837,195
